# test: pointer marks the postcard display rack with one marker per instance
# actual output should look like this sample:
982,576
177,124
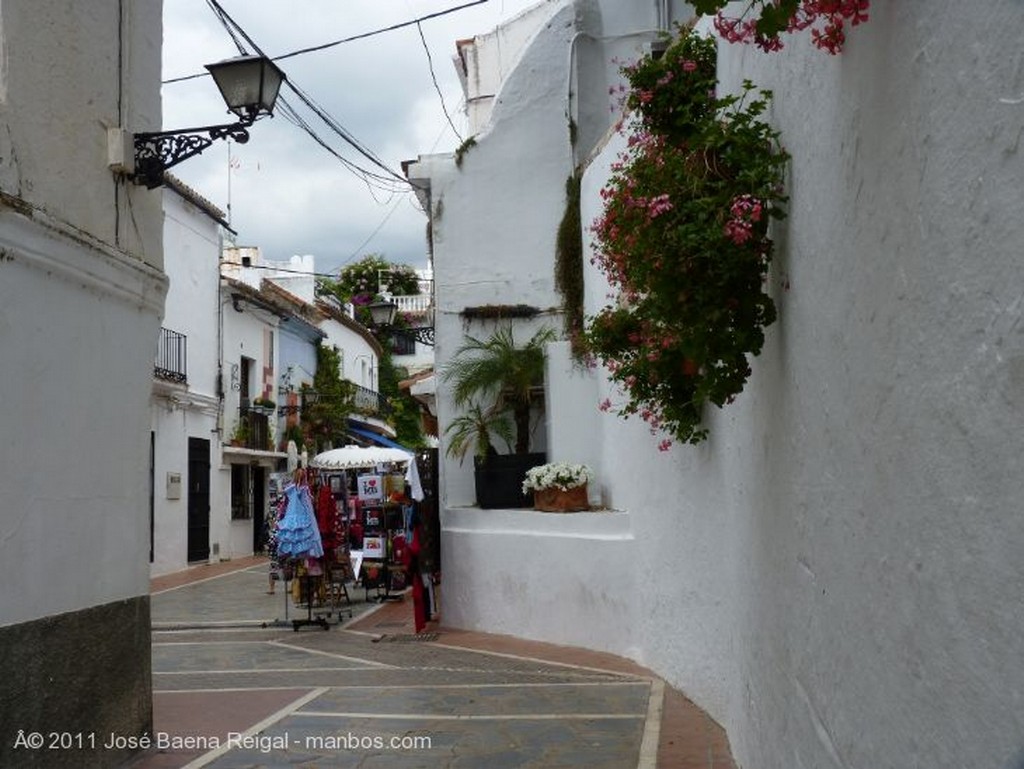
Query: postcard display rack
382,517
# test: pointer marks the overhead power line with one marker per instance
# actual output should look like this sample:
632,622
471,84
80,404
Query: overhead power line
333,43
430,64
390,178
272,268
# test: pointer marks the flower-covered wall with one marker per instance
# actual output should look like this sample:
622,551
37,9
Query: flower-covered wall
844,548
835,572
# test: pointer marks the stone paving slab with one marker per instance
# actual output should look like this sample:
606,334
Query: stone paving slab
238,598
341,679
228,670
304,740
487,700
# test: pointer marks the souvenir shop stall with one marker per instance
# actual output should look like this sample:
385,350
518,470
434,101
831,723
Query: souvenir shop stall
308,543
380,489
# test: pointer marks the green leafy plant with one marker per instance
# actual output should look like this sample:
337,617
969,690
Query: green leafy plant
683,240
240,435
293,433
405,414
471,431
497,368
360,282
569,260
326,416
463,148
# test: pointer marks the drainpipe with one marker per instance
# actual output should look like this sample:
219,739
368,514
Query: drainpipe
664,17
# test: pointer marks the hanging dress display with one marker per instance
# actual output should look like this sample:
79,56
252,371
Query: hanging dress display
327,518
298,535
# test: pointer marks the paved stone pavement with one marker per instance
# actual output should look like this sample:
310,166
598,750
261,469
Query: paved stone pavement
236,685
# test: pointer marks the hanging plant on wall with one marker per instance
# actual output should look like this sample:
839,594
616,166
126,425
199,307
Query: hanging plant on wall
569,261
762,22
684,241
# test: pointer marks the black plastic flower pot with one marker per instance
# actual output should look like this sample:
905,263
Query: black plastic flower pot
499,479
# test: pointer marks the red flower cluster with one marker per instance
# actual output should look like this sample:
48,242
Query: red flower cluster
745,212
826,18
683,242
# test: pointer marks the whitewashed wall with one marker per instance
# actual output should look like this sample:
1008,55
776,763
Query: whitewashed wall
847,543
359,357
519,232
80,306
836,574
62,499
484,64
192,248
245,333
81,295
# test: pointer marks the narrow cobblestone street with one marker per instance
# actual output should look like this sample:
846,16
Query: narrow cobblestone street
235,685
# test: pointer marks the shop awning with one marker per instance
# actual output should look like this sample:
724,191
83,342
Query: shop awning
377,439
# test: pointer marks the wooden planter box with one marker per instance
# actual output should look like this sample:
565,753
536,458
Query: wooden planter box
558,501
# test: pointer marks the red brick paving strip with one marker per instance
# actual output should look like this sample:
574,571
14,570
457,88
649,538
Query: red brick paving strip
204,571
208,714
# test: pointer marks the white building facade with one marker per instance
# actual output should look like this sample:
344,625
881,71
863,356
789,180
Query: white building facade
835,575
81,297
186,406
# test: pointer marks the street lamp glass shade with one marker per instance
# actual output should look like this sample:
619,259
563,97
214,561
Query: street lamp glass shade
382,313
249,84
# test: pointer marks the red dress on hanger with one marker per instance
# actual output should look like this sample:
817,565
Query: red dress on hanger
326,511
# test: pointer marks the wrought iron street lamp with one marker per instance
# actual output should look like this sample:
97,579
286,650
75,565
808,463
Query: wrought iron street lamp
249,85
382,316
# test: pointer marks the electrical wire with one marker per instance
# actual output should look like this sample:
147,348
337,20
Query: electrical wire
332,276
372,235
324,46
335,126
430,64
369,178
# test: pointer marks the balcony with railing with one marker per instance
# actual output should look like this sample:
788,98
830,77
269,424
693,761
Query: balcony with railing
370,402
253,429
413,303
171,357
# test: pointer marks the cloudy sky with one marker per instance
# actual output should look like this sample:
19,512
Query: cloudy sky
284,192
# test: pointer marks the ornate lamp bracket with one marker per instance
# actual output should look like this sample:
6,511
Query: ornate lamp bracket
157,151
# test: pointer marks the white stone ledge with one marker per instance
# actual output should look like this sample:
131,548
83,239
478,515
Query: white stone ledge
597,525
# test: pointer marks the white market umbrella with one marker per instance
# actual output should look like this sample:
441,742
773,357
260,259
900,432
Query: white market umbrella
351,457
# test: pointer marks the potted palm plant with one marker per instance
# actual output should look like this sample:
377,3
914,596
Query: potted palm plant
498,370
473,430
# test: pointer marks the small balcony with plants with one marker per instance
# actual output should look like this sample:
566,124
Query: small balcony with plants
252,429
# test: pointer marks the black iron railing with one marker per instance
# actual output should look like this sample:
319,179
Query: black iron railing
370,402
253,430
172,357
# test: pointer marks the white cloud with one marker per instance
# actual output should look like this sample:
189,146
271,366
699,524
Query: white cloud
287,194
